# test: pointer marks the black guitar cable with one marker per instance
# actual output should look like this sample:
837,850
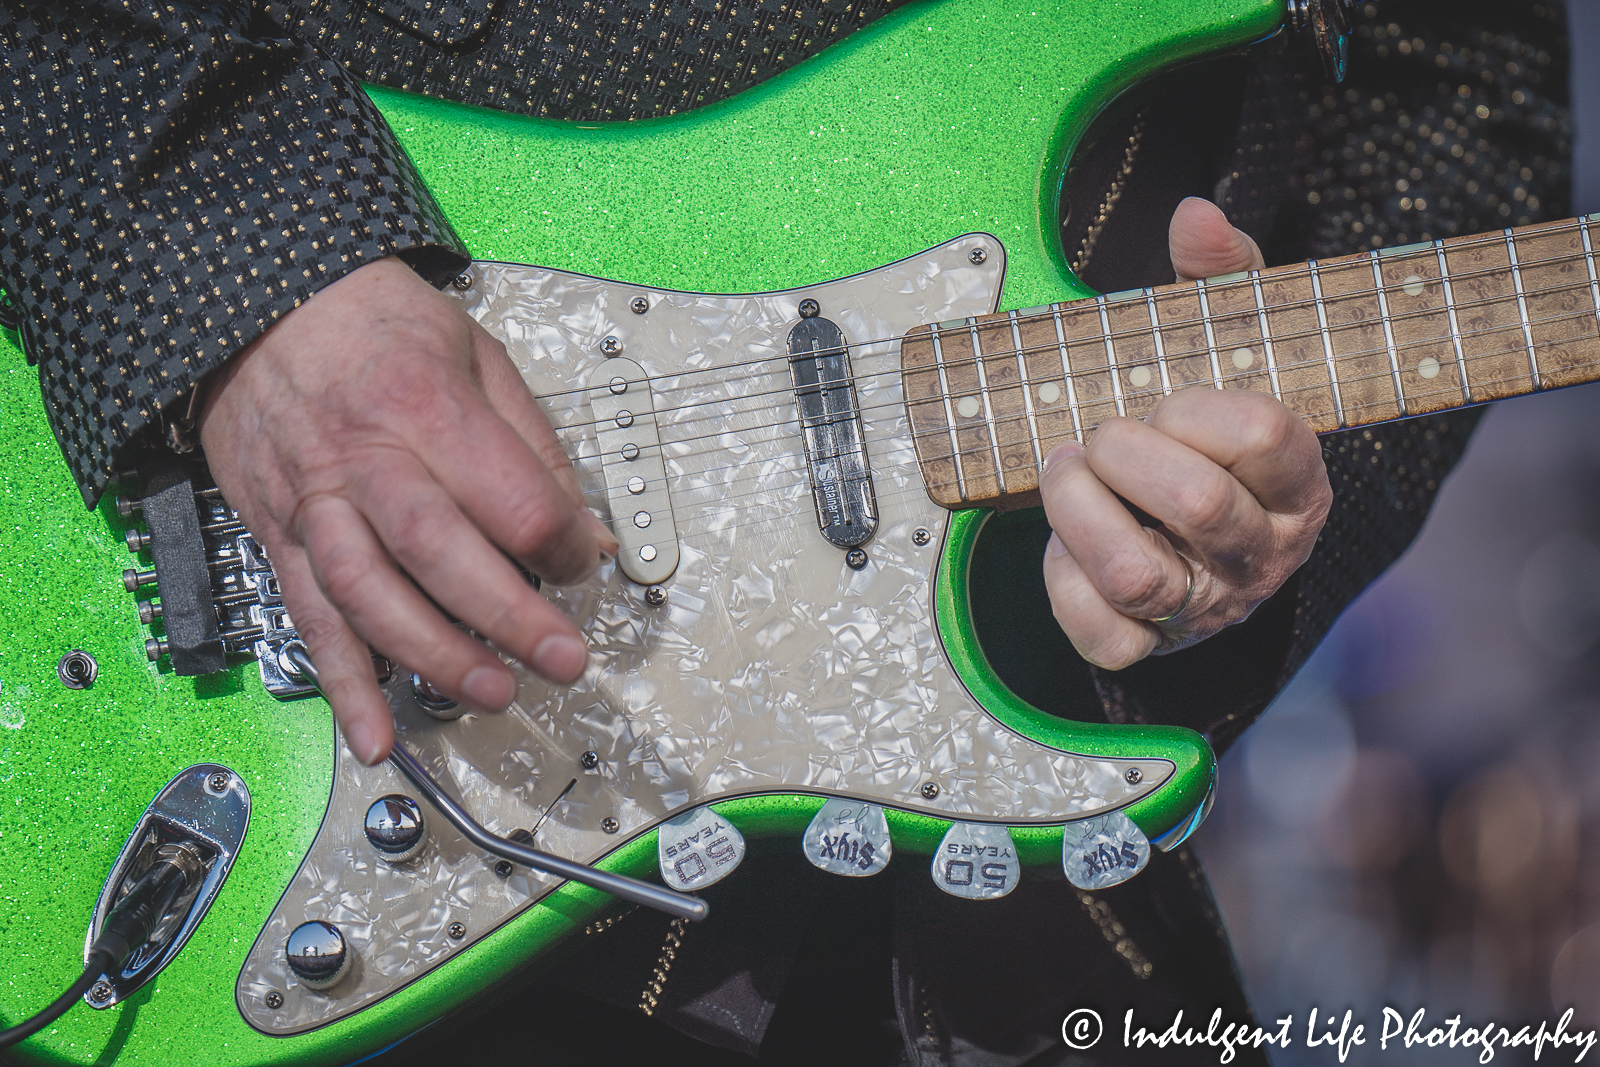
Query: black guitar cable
178,868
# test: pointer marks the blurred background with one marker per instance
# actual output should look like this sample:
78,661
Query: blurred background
1416,821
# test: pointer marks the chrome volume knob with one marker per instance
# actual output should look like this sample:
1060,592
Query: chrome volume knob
394,826
317,954
432,700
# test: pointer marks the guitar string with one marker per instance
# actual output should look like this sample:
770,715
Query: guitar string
1089,307
1095,344
789,423
888,465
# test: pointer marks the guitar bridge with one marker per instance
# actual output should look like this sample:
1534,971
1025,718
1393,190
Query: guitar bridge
216,593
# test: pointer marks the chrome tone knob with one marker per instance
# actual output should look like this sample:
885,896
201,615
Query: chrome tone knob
317,954
432,700
395,828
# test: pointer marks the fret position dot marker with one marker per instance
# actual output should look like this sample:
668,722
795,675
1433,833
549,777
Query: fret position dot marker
1243,358
1139,377
968,406
1428,367
1413,287
1049,393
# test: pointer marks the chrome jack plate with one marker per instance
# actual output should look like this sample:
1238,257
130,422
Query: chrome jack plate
207,804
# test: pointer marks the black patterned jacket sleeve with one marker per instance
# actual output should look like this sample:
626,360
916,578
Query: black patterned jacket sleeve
173,179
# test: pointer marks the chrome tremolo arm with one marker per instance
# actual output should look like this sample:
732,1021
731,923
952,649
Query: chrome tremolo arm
631,889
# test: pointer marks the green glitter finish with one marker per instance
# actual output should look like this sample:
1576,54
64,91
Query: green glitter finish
943,118
1189,752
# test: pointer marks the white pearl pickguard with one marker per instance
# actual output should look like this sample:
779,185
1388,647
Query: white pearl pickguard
771,667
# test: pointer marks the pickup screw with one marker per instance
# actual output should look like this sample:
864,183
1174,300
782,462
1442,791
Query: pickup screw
126,506
462,282
1134,776
218,782
655,596
978,255
273,999
590,760
77,669
457,931
809,309
155,648
149,611
136,539
930,790
619,386
921,536
611,346
503,868
855,559
640,305
100,991
609,825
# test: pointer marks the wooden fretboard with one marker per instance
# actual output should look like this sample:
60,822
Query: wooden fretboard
1343,342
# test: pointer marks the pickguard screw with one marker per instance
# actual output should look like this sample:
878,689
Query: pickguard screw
655,596
590,760
77,669
461,282
609,825
218,782
611,346
809,309
640,305
921,536
978,255
274,1000
1134,776
100,991
855,559
930,790
503,868
457,931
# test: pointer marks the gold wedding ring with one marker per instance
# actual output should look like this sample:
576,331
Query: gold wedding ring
1188,594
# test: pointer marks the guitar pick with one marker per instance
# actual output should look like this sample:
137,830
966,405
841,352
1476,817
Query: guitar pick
697,849
848,837
1102,851
977,861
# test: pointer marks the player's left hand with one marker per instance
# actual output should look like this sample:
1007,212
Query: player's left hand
1235,478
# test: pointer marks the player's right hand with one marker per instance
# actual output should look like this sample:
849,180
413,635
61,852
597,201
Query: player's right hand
377,440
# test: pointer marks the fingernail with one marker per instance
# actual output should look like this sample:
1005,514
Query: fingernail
361,741
1061,452
561,658
489,688
1054,547
602,535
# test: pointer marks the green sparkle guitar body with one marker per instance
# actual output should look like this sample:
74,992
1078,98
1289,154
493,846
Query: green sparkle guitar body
946,118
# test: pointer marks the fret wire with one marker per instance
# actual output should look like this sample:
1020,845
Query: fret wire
1027,394
1211,338
1455,327
1266,335
988,410
1522,308
1161,349
1588,259
1327,340
1388,330
1111,357
949,412
1066,375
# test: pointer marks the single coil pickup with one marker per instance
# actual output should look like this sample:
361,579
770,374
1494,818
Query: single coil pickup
636,478
830,422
